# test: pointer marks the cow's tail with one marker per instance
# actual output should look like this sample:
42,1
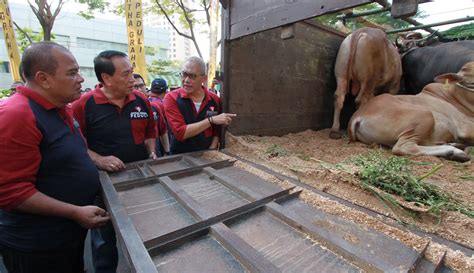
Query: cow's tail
356,35
354,125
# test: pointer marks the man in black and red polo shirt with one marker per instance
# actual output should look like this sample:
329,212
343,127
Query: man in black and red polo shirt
157,93
193,112
119,127
47,180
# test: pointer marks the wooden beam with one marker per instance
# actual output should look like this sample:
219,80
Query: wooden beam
364,21
245,253
404,8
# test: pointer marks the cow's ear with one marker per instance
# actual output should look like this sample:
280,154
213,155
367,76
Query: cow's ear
450,77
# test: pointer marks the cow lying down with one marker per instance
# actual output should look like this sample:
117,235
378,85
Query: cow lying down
438,121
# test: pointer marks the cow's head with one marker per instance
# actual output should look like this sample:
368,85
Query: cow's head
465,76
460,86
406,41
409,40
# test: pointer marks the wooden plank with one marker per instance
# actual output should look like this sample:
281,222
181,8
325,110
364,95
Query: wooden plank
125,185
426,266
250,257
249,16
199,213
404,8
137,254
321,236
360,255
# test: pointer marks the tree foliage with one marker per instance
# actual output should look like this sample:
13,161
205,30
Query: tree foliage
186,17
47,11
462,32
162,67
5,93
26,36
92,6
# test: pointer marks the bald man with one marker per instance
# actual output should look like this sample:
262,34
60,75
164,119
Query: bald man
48,181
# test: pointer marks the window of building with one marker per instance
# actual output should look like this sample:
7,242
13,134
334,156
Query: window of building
87,71
4,67
100,45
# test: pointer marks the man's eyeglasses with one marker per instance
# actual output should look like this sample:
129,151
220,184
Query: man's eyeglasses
140,85
191,76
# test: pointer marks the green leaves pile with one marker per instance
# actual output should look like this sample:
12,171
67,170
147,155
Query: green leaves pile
392,175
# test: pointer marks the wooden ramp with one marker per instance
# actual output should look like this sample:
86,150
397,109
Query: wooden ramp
188,213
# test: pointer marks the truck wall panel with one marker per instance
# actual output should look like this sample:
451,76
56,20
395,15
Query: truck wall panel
282,86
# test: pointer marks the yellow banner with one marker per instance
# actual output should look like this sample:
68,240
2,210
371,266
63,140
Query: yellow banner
136,41
10,41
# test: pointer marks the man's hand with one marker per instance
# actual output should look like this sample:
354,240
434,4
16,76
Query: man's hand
109,163
222,119
153,156
90,216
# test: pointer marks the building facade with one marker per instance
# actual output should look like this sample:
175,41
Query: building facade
180,48
85,39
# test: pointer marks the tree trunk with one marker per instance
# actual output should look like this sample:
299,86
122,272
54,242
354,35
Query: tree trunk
47,31
214,15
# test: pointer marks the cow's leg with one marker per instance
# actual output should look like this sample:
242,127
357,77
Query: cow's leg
407,144
446,151
339,97
365,94
394,88
414,132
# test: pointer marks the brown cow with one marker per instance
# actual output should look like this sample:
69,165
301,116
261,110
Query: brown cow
371,63
430,123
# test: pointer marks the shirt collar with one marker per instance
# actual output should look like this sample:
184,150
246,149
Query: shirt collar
100,98
183,94
35,96
152,99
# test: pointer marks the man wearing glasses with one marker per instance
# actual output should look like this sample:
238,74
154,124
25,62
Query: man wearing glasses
140,84
194,113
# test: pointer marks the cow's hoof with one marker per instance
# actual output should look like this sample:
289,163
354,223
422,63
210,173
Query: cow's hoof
335,135
460,157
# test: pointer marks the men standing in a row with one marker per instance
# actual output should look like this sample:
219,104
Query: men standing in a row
193,112
47,180
119,127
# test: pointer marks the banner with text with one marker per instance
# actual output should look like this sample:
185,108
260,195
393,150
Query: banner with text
10,41
136,42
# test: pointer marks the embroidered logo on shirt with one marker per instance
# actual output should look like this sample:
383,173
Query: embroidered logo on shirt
139,114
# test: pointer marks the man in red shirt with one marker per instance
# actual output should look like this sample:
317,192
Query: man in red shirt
193,113
157,93
118,124
47,180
